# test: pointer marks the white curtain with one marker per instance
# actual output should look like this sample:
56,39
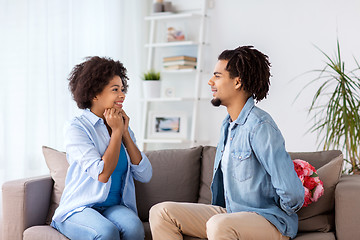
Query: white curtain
40,42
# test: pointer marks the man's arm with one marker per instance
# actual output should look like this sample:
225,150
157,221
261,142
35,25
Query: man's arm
269,148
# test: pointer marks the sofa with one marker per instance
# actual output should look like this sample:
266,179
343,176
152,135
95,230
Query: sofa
182,175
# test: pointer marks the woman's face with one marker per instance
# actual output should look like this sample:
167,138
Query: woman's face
112,96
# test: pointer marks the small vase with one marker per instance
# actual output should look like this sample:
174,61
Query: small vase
157,7
151,88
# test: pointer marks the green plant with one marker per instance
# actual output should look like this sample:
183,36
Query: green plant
151,75
335,106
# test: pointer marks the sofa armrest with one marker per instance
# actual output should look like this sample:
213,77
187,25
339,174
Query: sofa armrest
347,207
25,204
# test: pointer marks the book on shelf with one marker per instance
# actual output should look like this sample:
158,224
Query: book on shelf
179,62
179,58
179,66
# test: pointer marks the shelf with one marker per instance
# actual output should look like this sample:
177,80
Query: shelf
168,99
174,99
157,47
172,44
190,70
169,16
165,140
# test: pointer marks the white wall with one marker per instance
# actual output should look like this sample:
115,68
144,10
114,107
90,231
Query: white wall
286,31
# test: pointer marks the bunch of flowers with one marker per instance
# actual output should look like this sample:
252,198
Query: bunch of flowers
314,187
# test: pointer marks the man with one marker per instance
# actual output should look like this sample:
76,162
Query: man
255,189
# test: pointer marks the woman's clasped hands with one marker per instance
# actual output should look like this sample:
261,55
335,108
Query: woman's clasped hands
117,120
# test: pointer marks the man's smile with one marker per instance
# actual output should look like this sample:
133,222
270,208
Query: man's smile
214,91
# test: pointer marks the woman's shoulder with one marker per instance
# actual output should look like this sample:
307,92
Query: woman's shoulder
76,121
80,122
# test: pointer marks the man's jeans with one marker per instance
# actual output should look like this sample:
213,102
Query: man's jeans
111,223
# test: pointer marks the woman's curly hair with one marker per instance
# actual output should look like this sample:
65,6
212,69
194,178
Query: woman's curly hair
253,68
89,78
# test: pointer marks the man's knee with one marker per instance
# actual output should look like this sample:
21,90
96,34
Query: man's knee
160,209
216,224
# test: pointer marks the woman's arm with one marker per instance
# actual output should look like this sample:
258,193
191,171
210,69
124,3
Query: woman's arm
111,156
140,164
133,151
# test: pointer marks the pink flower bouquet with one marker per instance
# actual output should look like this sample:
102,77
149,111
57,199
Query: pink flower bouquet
314,187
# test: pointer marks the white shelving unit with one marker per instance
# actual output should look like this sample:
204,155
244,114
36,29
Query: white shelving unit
156,46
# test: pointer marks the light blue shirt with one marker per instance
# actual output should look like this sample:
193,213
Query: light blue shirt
86,139
259,175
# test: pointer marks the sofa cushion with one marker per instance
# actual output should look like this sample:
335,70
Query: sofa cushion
347,199
43,232
57,164
207,166
329,166
317,159
319,223
176,175
316,236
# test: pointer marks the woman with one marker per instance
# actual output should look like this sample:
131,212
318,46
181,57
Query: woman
98,201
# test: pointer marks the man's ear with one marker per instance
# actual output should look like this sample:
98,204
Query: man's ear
238,83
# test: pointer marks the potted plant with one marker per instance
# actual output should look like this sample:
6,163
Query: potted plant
151,84
335,108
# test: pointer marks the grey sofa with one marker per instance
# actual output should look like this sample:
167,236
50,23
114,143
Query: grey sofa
182,175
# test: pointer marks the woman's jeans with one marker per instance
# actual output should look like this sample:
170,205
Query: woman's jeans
105,223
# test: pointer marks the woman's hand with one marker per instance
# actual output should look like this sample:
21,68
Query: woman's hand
114,118
115,124
126,120
131,148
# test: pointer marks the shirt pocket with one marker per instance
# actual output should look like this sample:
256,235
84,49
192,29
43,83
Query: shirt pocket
243,169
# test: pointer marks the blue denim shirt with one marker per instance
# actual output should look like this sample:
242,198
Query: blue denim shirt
86,139
260,177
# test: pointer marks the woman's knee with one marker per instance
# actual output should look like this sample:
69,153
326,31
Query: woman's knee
85,225
133,229
108,232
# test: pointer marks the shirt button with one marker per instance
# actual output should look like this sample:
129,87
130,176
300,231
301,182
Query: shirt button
230,139
240,157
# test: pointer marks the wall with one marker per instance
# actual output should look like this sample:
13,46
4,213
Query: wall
286,31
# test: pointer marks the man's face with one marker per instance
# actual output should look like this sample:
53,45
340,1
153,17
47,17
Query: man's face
222,86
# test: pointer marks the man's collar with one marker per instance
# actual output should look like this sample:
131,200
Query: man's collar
245,111
241,119
91,116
